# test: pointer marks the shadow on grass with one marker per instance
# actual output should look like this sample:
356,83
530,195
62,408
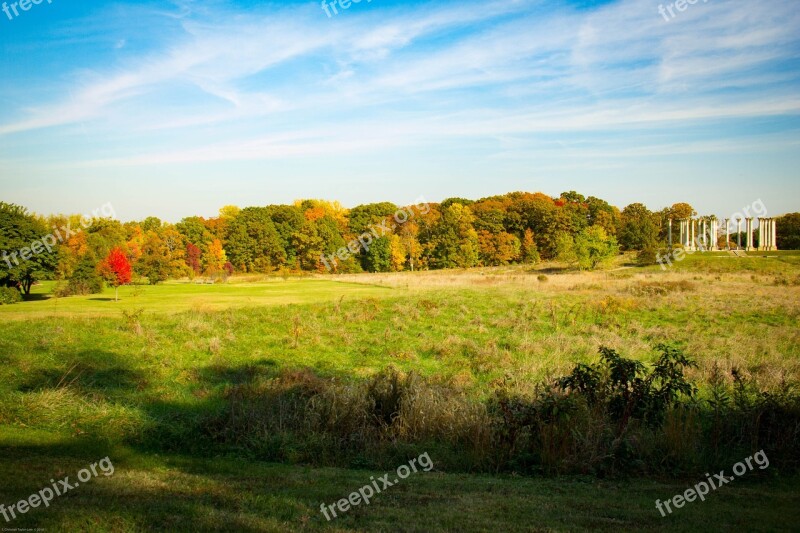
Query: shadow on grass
226,375
143,493
92,372
36,297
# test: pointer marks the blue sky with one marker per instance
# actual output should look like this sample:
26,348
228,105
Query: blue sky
178,108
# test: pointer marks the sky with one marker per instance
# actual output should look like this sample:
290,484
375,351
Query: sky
177,108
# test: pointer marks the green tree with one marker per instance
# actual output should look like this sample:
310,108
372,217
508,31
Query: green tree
25,258
84,278
787,229
378,258
603,214
361,217
287,219
447,202
308,245
638,230
151,224
587,249
195,231
252,243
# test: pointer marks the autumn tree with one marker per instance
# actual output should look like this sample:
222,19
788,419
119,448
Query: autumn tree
453,241
397,253
499,248
214,258
681,210
407,239
229,212
528,249
116,269
193,258
162,256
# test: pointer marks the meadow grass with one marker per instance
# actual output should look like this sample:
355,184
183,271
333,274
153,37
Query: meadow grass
88,373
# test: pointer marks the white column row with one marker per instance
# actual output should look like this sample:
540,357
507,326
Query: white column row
767,234
699,234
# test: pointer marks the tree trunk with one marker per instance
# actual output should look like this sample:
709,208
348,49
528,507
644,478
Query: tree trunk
116,293
26,285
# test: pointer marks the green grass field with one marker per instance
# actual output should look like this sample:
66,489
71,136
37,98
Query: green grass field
85,377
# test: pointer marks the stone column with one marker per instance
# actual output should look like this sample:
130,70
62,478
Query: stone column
714,229
703,233
669,234
685,232
738,233
774,234
761,234
768,234
727,234
691,234
749,234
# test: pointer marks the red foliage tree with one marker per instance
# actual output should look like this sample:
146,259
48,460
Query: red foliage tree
193,255
116,269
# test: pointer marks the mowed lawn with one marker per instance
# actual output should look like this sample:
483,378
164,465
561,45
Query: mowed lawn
174,297
80,380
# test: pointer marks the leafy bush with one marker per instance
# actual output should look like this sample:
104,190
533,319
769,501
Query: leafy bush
542,278
625,390
647,256
84,280
615,416
9,295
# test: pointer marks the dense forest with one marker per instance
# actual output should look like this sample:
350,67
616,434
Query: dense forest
323,236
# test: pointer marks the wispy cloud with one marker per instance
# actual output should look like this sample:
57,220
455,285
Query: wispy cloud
220,82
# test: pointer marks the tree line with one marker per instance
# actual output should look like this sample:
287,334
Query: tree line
517,227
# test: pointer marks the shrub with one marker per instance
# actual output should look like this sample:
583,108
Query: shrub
9,295
84,280
656,288
542,278
625,388
648,256
618,415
